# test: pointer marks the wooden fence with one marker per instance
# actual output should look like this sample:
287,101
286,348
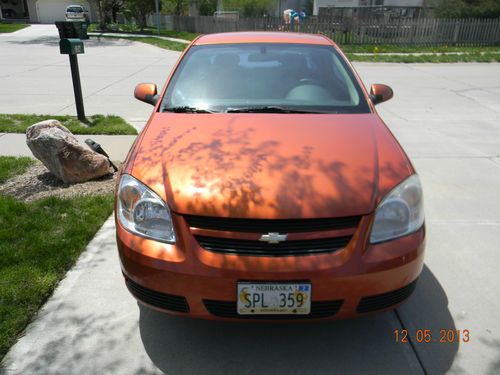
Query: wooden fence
422,31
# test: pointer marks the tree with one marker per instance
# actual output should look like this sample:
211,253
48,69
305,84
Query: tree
467,8
250,8
102,10
207,7
114,7
177,7
139,9
107,11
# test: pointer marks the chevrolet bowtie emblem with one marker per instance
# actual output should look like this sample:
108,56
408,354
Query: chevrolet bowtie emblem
273,237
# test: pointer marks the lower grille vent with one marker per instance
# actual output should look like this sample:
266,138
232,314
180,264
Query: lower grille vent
385,300
157,299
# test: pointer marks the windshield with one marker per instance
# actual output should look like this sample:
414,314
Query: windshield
264,77
74,10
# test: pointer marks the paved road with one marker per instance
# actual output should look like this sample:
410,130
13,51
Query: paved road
36,78
447,118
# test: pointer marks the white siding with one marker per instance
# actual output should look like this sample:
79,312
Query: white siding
404,3
355,3
49,11
333,3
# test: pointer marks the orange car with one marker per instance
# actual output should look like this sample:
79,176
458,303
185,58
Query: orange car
265,186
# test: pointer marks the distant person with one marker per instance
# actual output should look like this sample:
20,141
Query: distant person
287,15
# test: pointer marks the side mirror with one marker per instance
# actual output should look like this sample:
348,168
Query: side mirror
147,93
380,93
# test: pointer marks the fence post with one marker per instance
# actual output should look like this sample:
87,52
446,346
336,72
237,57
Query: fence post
456,31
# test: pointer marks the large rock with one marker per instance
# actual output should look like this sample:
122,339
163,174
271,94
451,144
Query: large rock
58,149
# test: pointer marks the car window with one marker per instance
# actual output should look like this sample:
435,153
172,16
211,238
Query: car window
299,76
74,10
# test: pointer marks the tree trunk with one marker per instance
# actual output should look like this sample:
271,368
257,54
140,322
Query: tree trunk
142,21
101,14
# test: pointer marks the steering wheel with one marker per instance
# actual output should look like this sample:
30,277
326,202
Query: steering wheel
311,81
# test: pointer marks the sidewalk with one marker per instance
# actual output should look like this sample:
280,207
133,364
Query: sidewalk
109,34
90,323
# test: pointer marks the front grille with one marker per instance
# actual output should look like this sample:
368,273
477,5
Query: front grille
157,299
227,309
385,300
271,225
259,248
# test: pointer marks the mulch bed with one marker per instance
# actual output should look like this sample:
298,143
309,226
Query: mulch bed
38,183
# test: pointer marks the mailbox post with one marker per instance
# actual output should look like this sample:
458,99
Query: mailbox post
71,44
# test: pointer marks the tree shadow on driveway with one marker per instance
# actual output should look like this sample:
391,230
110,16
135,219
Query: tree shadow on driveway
47,40
93,42
368,345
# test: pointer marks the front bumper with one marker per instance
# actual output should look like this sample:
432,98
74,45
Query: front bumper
186,279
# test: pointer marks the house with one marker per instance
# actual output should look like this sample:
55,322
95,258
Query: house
322,6
41,11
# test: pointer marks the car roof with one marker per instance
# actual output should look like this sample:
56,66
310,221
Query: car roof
262,37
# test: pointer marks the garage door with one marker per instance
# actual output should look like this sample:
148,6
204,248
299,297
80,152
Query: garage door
49,11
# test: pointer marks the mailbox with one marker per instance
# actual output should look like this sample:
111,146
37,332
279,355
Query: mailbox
71,34
71,46
72,29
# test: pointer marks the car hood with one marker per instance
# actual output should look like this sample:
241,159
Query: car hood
269,165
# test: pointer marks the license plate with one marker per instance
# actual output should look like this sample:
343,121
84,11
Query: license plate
274,298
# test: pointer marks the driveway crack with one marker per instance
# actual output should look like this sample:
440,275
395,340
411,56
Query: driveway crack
412,344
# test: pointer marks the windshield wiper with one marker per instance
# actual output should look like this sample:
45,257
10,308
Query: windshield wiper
268,109
187,109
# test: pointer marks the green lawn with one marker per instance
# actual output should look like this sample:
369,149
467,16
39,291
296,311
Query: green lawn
483,54
427,58
11,166
435,54
11,27
134,29
438,54
176,34
98,124
165,44
381,48
39,242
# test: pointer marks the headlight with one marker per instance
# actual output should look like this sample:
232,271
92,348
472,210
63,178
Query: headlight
400,213
142,212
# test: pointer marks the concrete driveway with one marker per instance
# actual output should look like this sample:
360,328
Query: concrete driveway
36,78
446,116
